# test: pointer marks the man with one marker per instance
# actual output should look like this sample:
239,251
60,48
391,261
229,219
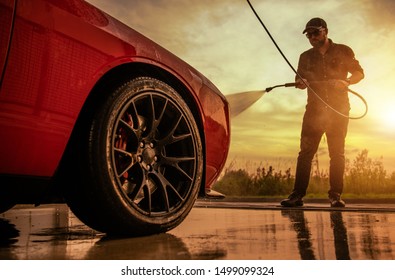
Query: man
325,70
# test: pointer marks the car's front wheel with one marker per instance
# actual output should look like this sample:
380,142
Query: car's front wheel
140,161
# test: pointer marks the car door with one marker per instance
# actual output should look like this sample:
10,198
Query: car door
51,62
6,18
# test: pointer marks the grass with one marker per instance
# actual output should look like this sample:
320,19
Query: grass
364,178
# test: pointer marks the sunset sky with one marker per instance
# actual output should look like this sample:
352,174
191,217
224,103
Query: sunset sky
224,41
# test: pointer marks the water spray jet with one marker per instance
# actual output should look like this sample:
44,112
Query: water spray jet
241,101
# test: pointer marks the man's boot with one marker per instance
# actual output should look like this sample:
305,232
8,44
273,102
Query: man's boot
293,200
335,200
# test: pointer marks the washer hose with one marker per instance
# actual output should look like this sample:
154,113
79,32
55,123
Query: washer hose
301,78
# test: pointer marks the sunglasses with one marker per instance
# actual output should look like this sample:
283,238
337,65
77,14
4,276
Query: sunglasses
315,33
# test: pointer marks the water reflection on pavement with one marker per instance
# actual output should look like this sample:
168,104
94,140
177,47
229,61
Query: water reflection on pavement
53,232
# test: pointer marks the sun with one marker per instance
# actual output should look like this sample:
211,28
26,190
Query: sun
388,119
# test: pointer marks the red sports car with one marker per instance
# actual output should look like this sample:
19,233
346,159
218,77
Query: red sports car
125,131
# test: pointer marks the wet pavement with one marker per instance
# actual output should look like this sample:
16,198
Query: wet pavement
221,230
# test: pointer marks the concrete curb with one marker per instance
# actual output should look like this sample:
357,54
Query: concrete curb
307,200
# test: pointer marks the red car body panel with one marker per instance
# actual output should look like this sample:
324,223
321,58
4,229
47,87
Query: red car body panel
58,52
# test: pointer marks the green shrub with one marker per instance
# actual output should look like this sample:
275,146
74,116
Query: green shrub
235,183
364,177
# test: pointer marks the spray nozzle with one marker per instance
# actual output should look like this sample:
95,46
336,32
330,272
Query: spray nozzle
284,85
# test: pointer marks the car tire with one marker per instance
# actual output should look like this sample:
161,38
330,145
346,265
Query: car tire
139,161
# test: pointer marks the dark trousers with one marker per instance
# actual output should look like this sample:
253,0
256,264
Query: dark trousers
315,124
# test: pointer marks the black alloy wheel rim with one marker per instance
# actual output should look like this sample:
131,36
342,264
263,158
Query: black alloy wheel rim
154,153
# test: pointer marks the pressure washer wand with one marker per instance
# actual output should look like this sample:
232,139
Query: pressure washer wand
284,85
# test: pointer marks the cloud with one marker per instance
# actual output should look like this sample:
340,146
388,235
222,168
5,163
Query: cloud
379,14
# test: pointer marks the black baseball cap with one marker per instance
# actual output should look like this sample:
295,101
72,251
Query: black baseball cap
315,23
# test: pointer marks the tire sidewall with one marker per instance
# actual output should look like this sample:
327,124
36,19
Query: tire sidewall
121,211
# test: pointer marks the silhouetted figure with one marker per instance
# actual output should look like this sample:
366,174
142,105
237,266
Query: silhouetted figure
325,70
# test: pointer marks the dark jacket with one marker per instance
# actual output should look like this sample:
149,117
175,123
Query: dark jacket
320,71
